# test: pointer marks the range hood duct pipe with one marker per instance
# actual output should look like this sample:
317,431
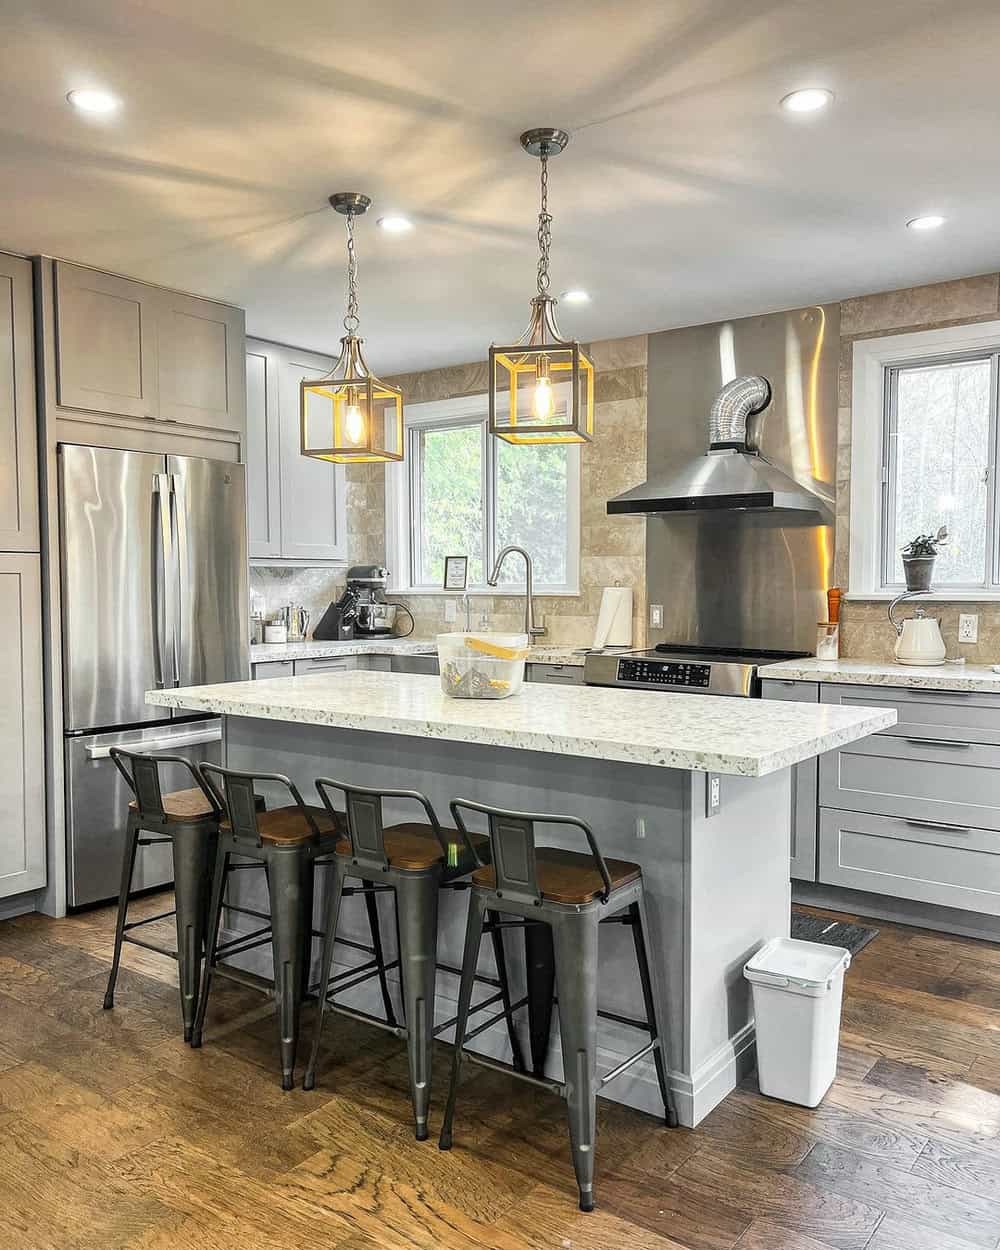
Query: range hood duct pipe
729,421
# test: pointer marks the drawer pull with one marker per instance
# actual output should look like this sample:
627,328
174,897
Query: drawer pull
938,824
940,742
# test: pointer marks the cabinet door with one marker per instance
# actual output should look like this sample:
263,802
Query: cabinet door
22,792
328,664
202,376
105,343
313,511
18,438
272,668
805,783
262,453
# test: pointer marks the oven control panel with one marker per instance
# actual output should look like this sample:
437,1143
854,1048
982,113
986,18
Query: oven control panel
665,673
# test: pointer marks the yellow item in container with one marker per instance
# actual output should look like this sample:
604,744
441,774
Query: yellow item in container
498,652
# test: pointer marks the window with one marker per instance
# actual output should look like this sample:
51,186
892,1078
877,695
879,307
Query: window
461,492
924,454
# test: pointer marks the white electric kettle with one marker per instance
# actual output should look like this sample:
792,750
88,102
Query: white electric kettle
918,638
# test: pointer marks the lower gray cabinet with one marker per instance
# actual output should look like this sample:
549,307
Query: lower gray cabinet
427,664
272,668
555,674
330,664
805,783
917,859
22,777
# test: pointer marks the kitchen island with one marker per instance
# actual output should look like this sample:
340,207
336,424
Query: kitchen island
640,769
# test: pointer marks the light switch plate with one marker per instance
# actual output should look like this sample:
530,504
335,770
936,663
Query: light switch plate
968,627
450,611
656,616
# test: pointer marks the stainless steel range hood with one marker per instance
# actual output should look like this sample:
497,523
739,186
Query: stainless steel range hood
732,475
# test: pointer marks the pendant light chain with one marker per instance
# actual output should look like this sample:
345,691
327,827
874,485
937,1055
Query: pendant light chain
351,320
544,231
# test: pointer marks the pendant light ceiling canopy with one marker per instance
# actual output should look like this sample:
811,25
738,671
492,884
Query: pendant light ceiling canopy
542,386
349,415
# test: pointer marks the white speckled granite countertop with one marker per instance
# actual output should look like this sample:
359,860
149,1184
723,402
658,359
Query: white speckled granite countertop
968,677
261,653
748,737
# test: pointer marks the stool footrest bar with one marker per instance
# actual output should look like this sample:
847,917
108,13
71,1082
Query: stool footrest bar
500,1015
137,924
397,1030
543,1082
627,1063
149,946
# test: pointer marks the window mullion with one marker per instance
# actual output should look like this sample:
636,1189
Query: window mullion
489,478
888,525
992,494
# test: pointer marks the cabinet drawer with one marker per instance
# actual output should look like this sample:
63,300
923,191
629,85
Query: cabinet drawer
556,674
421,664
932,778
326,664
957,867
966,716
272,668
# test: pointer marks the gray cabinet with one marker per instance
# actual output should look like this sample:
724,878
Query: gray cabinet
297,505
18,426
272,668
805,783
555,674
126,349
425,664
330,664
22,777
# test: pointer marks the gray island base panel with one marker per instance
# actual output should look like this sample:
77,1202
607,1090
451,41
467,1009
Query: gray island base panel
717,887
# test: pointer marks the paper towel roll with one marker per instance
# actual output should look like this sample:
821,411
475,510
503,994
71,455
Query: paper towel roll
614,622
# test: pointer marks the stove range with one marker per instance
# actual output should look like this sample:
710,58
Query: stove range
678,667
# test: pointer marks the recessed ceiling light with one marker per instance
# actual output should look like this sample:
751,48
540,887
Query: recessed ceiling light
93,100
930,222
395,224
576,296
808,100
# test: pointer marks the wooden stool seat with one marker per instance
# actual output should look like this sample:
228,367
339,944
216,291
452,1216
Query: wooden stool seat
183,805
288,826
413,845
569,876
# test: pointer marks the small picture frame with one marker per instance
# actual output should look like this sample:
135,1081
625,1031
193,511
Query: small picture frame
456,572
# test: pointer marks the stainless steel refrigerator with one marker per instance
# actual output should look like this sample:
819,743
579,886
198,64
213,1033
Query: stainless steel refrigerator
154,595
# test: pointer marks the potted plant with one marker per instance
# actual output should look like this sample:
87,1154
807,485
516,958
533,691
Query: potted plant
919,555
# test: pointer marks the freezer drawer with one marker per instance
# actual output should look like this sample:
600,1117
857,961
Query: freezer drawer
952,866
97,801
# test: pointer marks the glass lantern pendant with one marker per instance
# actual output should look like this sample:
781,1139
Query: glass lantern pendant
349,415
542,386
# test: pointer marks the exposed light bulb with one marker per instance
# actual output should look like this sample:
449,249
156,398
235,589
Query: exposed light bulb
354,425
395,223
92,100
543,401
808,100
931,222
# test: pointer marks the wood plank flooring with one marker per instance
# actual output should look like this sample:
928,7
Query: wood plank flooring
116,1136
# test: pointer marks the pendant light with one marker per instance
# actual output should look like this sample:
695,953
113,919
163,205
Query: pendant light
349,415
542,386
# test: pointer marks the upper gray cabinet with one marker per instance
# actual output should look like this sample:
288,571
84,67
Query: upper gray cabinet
297,507
126,349
18,427
105,343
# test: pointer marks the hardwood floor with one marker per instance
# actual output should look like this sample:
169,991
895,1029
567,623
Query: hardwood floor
114,1134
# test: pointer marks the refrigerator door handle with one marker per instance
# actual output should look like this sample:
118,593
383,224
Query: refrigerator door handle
164,606
214,734
183,574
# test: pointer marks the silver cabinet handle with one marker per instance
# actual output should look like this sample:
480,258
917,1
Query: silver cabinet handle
940,742
160,744
183,604
166,607
938,824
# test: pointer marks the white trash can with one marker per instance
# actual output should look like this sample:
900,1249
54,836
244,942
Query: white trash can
797,992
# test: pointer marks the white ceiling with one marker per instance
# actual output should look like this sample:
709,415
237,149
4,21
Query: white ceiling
685,195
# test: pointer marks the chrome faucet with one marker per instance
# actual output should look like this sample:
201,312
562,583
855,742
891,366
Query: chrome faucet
530,628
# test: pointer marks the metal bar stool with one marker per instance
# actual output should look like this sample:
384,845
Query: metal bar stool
286,842
414,861
189,821
571,893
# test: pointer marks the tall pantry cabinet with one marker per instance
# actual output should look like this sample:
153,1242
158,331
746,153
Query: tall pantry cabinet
22,777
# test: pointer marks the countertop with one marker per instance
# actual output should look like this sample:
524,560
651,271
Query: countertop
261,652
959,677
747,737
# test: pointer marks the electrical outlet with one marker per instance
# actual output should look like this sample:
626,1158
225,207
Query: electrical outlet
968,627
713,795
640,826
450,611
656,616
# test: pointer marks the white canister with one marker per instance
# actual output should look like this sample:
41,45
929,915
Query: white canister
276,633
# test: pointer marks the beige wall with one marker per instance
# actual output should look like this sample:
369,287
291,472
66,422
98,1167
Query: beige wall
866,632
612,549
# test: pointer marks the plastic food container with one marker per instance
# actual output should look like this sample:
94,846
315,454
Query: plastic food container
481,665
797,991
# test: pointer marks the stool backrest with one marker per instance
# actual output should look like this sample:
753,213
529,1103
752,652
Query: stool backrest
512,847
237,796
142,775
365,824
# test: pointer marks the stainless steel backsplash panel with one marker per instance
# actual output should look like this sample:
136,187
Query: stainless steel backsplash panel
733,578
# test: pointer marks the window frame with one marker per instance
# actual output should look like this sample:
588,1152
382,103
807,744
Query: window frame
876,363
402,484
